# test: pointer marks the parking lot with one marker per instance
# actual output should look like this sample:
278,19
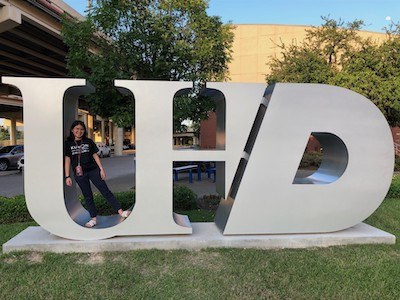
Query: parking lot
120,172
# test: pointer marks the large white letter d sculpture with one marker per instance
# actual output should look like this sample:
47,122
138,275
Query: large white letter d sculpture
355,174
263,146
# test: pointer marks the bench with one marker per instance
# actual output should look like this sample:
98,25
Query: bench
211,171
189,168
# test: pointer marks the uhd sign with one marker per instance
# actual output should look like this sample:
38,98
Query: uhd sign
266,131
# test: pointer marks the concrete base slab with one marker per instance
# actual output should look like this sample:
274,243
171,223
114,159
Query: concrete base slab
205,235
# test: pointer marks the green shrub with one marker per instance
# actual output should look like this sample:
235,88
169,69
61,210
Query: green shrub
14,210
397,164
311,160
184,198
394,191
209,202
127,200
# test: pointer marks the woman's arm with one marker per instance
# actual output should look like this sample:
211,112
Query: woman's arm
98,162
67,168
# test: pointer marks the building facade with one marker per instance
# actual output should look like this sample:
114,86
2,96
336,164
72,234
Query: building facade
253,48
255,45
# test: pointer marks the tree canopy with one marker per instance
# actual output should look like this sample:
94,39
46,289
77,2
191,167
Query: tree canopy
334,53
147,39
4,134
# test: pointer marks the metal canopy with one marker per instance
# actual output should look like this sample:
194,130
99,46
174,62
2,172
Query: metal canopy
27,50
30,43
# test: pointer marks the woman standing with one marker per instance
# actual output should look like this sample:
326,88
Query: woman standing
81,152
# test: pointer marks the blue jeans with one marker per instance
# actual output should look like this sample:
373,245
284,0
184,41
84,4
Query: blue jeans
100,184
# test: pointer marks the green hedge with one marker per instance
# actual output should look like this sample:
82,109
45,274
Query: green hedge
397,163
127,200
14,210
184,198
394,191
311,160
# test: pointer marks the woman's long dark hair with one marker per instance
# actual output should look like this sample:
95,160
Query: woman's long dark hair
71,136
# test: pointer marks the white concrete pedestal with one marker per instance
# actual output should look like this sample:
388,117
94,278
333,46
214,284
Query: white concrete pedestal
205,235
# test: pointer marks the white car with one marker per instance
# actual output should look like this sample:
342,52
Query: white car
21,164
104,150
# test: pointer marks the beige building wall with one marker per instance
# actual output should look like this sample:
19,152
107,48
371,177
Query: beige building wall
19,126
7,124
254,45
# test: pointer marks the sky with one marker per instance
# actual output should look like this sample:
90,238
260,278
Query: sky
375,13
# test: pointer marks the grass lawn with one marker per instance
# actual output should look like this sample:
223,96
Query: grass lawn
349,272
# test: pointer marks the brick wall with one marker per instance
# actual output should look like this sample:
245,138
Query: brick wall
208,132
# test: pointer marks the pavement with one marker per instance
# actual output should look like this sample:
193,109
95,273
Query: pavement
120,172
11,183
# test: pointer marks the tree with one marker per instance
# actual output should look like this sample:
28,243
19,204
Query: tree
147,39
4,134
335,54
320,56
374,71
300,64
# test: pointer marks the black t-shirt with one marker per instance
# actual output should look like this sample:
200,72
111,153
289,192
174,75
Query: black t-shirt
88,148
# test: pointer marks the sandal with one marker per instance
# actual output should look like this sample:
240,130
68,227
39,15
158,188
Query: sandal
91,223
126,213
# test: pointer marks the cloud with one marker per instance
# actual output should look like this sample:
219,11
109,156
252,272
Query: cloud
388,18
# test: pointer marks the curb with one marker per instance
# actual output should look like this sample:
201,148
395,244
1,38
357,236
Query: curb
12,172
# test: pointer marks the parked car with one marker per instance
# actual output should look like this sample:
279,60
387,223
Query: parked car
124,147
21,164
128,145
104,150
9,156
